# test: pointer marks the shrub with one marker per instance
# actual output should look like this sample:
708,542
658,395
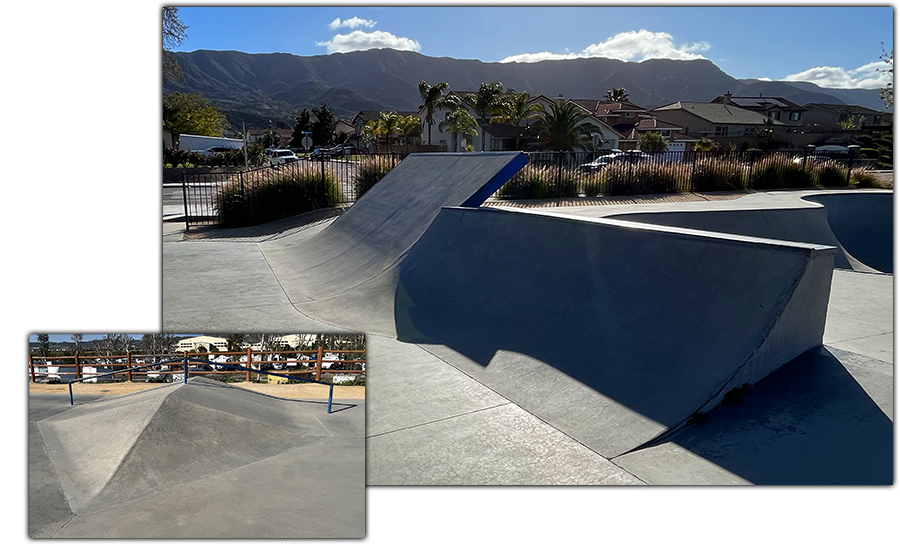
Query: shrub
625,179
532,182
830,175
868,153
713,175
281,192
369,171
860,178
779,171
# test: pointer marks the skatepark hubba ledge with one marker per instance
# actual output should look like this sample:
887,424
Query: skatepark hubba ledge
525,347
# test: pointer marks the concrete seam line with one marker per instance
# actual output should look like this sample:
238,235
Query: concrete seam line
56,477
440,420
535,416
864,336
66,523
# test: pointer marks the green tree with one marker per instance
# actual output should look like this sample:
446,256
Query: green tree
766,136
459,122
653,142
191,113
303,124
370,132
514,108
434,99
564,128
270,139
486,102
174,32
323,127
617,95
44,344
705,144
235,342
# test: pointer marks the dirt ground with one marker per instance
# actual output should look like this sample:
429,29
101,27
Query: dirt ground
281,391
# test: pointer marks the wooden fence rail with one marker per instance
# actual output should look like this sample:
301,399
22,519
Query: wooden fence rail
129,360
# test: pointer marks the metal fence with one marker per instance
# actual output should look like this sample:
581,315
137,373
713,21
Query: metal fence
271,192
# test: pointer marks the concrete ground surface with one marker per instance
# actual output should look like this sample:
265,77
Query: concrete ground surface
444,409
198,460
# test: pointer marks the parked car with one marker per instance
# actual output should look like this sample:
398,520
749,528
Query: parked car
812,159
278,156
614,158
215,150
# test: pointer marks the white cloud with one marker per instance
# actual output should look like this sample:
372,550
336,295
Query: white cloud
351,23
628,46
867,76
361,40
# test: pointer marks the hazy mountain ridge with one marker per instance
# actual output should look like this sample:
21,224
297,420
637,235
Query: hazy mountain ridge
261,87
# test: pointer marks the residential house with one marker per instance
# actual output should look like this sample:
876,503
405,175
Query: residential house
826,117
345,127
677,140
779,109
284,135
726,124
170,137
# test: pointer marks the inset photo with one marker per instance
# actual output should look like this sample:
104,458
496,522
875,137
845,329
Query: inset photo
196,436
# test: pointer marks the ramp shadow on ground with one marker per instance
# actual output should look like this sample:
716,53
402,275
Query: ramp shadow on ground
809,423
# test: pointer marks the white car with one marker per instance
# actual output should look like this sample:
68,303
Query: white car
279,156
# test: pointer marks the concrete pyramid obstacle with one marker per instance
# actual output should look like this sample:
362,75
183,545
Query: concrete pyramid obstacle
115,452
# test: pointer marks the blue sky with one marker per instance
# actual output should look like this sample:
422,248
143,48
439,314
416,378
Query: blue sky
830,46
86,338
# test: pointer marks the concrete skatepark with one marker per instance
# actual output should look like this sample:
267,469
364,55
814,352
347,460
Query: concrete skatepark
582,345
200,459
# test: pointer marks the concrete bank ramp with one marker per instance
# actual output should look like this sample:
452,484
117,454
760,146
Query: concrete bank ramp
112,454
657,322
859,224
370,236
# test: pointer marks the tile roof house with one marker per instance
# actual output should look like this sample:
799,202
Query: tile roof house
712,119
677,140
828,117
779,109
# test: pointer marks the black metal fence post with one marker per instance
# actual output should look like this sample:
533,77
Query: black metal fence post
187,217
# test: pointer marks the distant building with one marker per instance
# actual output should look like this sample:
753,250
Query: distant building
203,343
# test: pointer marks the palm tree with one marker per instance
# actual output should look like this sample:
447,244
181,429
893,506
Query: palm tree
564,128
514,108
370,132
433,99
485,102
390,123
408,127
458,122
617,95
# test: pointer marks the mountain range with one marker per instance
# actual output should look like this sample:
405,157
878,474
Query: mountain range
259,88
